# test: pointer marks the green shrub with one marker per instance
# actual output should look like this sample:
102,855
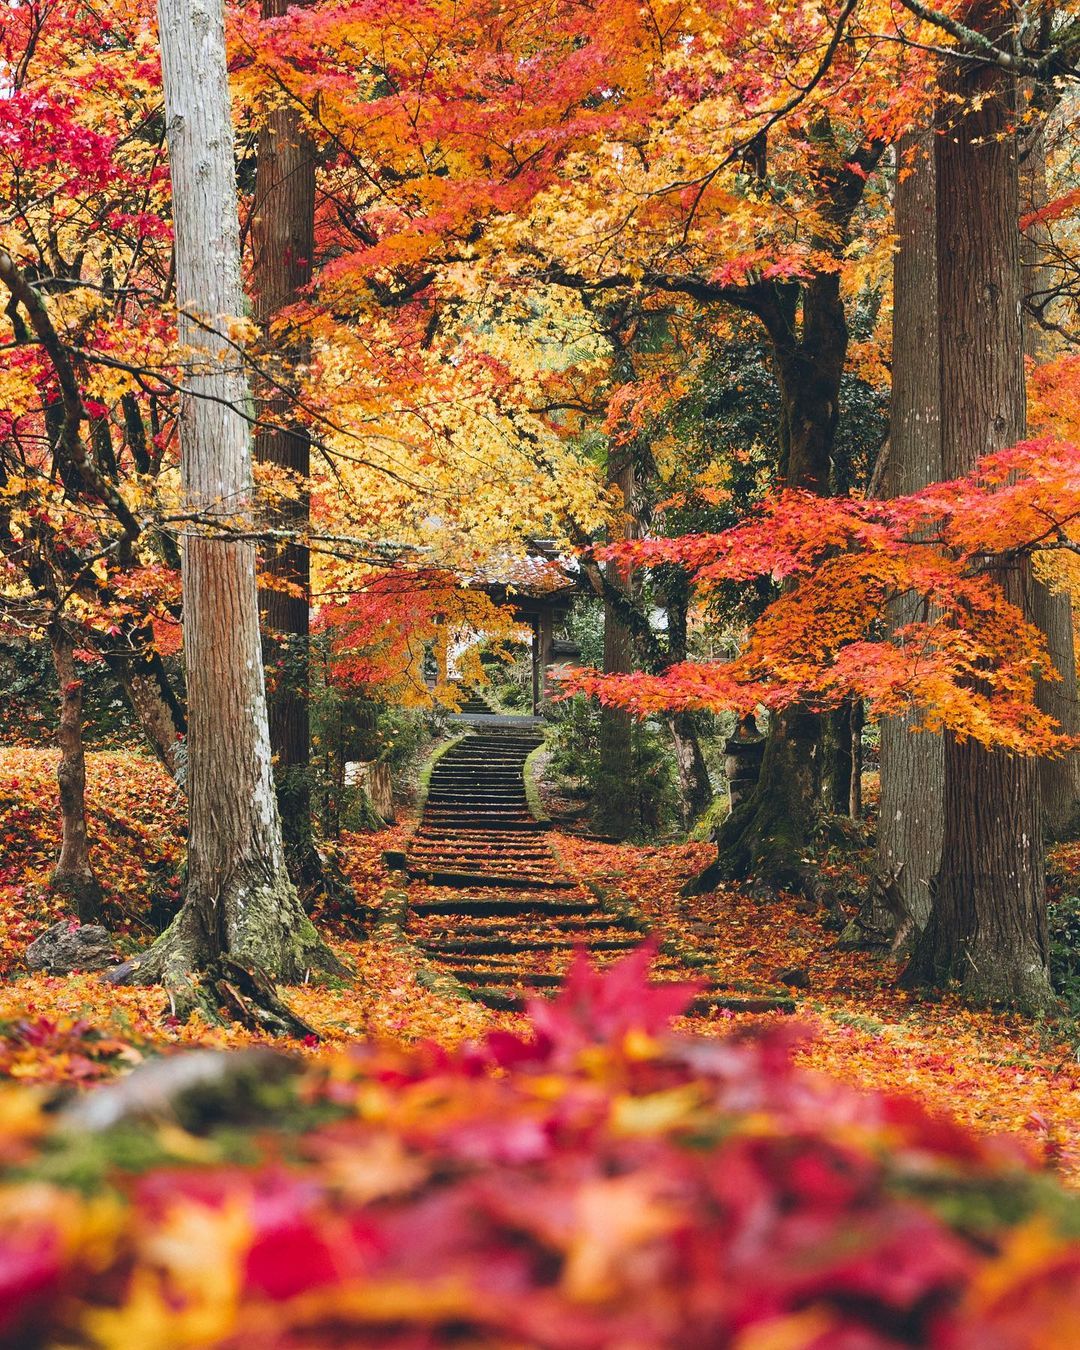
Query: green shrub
574,741
1063,917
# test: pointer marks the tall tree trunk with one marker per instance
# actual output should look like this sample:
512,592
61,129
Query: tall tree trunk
987,929
841,756
283,242
1059,778
912,762
694,783
767,835
615,808
73,875
240,903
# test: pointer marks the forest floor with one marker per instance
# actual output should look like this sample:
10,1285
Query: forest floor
996,1073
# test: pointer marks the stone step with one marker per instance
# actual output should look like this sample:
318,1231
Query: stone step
505,1000
473,818
465,809
467,806
502,758
509,844
512,857
476,906
484,977
477,783
481,764
510,822
578,930
473,772
456,947
470,773
494,750
458,876
488,750
507,838
484,796
479,864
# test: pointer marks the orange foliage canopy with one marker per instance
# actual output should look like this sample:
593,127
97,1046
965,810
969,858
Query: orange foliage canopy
969,663
379,635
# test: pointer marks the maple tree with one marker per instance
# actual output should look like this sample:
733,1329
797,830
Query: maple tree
718,238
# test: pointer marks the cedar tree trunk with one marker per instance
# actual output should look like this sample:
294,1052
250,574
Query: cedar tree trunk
694,783
987,929
240,904
912,761
283,242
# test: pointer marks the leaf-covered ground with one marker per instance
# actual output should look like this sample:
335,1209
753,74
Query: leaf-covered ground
994,1072
563,1191
591,1183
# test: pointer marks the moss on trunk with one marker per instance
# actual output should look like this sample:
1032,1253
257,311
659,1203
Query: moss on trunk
767,836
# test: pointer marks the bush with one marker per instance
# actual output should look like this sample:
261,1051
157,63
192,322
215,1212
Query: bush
596,1183
509,680
1063,917
574,741
29,712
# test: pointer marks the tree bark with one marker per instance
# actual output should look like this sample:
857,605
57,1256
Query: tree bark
841,760
987,929
73,875
240,904
615,807
912,761
141,674
694,783
283,244
1059,778
768,834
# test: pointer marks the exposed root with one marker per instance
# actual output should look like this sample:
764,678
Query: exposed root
277,941
248,996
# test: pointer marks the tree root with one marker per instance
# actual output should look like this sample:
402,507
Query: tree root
249,997
223,990
221,987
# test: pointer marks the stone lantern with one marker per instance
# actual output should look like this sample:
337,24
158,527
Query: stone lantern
743,752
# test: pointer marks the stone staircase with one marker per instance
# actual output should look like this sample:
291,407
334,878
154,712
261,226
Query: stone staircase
476,705
477,828
497,912
489,903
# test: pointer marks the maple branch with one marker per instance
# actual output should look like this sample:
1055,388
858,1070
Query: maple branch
382,551
747,297
168,385
70,441
746,146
